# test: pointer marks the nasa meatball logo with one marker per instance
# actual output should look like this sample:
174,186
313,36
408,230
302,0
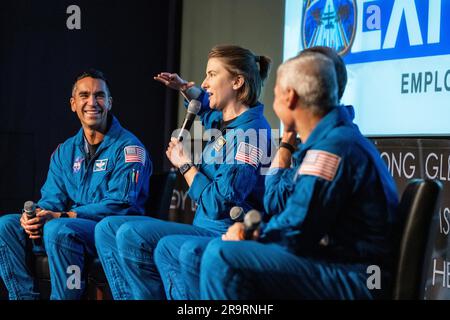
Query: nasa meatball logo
330,23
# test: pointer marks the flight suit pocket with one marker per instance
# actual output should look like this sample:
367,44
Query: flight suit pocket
131,186
99,184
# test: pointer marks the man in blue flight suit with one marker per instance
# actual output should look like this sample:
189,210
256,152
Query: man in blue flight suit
280,182
339,218
179,257
103,170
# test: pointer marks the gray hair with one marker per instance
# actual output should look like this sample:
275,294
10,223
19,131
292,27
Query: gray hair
313,77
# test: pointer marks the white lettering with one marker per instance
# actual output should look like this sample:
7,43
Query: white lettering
374,20
398,164
74,280
74,20
176,200
436,169
445,275
374,281
443,217
412,24
365,41
411,167
434,21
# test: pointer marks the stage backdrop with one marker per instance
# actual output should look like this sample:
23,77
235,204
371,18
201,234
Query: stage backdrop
44,44
428,159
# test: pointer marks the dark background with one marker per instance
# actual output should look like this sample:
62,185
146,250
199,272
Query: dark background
130,41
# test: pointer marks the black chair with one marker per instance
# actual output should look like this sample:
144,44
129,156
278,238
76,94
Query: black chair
161,189
419,203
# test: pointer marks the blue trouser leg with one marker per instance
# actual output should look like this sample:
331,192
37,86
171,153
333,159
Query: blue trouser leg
13,267
68,243
251,270
105,242
178,258
136,241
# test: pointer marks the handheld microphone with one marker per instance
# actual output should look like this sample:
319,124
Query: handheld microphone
192,110
29,208
252,220
237,214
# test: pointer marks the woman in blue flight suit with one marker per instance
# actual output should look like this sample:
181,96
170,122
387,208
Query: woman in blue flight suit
229,175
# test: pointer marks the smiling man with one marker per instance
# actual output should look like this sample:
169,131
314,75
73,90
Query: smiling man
103,170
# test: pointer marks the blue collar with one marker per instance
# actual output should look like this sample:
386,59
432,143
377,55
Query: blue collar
253,113
337,115
110,136
351,111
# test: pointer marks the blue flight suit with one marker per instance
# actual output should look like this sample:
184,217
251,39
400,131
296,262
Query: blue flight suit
338,221
224,179
179,257
114,182
280,182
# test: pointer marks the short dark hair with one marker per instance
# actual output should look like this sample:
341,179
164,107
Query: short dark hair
241,61
91,73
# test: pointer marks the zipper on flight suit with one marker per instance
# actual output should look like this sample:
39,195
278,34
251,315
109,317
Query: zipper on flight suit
88,165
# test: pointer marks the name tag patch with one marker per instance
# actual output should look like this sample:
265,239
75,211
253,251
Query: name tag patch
220,142
100,165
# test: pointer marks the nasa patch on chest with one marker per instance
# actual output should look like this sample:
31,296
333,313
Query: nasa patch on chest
100,165
77,164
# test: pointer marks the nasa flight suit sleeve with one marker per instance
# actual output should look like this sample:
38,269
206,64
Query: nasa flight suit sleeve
279,184
231,185
279,187
54,196
128,189
313,207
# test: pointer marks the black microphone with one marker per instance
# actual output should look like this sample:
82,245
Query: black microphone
237,214
29,208
192,110
252,220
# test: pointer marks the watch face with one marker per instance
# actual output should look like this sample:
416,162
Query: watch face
185,167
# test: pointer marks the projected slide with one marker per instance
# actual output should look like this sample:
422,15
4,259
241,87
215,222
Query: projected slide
397,54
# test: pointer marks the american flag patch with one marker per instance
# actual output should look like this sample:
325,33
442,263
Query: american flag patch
248,154
320,163
134,154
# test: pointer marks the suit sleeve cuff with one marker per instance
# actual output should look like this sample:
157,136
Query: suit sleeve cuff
199,184
273,175
89,211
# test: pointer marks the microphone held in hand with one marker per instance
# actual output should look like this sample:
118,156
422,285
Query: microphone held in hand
252,220
237,214
29,207
192,110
